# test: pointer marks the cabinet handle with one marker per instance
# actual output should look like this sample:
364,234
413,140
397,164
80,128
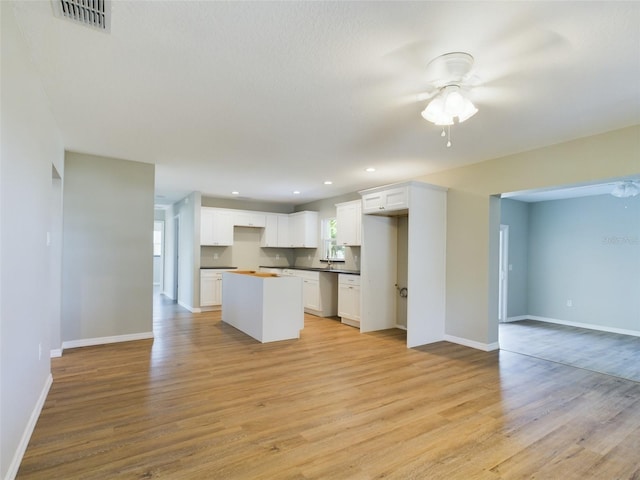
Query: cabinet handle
381,207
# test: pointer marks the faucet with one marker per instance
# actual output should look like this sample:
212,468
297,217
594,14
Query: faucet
328,262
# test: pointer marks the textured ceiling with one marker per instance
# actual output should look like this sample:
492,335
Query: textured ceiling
270,97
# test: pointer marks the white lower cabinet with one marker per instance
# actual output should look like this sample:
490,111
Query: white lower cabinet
311,294
349,299
211,287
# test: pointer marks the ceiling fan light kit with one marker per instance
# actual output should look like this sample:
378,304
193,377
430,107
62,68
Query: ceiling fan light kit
626,189
450,102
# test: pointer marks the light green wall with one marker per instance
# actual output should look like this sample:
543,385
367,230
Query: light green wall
107,285
472,273
586,250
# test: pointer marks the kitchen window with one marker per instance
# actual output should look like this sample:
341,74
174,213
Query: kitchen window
330,250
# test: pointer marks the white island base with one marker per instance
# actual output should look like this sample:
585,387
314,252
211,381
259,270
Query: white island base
265,306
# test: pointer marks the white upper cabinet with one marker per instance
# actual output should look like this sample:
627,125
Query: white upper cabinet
283,230
383,200
249,219
349,219
303,229
270,233
276,231
216,227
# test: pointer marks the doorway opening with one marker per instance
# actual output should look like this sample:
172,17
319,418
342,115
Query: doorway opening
570,292
158,256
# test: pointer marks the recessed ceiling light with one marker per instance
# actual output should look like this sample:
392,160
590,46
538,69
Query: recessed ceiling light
370,169
235,193
328,182
296,192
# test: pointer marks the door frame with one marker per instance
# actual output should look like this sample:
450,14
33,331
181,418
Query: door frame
503,268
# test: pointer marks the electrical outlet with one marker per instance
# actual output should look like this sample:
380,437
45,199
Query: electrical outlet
569,303
277,256
215,256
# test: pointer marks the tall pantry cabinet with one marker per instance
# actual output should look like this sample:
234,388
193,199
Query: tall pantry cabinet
425,205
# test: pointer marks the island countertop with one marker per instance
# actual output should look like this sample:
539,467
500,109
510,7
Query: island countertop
316,269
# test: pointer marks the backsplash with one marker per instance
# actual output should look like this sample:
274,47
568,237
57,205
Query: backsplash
246,253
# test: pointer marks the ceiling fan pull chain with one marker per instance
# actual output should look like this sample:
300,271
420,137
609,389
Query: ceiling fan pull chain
443,132
449,136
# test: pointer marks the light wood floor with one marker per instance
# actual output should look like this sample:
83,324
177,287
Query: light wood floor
204,401
604,352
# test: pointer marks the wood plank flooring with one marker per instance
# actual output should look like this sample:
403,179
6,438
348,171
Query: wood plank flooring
604,352
204,401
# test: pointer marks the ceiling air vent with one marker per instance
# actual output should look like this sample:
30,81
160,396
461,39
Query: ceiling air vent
95,14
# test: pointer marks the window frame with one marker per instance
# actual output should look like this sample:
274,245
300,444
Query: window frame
331,251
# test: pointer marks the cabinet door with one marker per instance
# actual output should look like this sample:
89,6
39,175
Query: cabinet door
270,233
206,226
283,231
355,305
217,291
396,198
210,289
372,202
344,300
349,220
296,226
311,294
222,228
249,219
349,301
207,290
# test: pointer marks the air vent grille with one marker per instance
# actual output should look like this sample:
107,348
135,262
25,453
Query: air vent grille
91,13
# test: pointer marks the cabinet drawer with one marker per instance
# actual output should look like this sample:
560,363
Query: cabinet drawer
345,279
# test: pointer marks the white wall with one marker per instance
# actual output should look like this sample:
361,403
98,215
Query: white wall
107,288
30,145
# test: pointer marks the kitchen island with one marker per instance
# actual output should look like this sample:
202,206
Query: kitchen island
265,306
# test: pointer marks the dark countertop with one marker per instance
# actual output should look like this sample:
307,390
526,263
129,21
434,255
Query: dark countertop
218,268
317,269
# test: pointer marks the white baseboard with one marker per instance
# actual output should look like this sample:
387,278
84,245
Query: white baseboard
88,342
55,353
401,327
589,326
487,347
516,319
12,471
189,307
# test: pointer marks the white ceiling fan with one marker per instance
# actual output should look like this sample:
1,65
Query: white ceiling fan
626,189
450,80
